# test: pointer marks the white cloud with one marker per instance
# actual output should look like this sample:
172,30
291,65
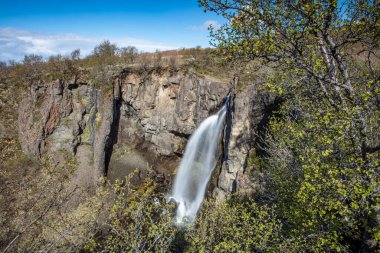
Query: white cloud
143,45
14,44
215,24
212,23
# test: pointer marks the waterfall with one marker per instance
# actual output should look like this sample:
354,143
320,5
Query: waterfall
199,160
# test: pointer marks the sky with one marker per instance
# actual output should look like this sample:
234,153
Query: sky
60,26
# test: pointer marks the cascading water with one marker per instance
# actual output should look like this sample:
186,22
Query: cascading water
199,160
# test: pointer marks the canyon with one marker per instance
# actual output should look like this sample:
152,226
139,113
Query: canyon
142,121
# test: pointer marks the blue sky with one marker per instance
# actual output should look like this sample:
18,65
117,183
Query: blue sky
52,27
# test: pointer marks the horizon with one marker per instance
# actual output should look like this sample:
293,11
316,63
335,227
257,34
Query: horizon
50,28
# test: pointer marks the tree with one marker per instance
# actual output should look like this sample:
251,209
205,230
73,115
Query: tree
128,53
3,71
32,59
316,39
129,50
63,68
32,69
105,49
75,55
323,146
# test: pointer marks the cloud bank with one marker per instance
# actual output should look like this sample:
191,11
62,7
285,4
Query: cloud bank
215,24
14,44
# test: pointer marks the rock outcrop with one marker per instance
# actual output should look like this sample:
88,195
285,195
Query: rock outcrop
142,121
248,112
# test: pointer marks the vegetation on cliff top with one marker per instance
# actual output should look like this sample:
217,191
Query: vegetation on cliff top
108,60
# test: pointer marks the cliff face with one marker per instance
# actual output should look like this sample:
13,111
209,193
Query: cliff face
142,122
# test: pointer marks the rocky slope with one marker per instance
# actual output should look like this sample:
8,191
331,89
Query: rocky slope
142,122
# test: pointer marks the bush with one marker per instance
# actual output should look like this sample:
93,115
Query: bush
237,226
139,220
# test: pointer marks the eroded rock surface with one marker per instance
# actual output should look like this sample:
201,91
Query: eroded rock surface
248,114
142,121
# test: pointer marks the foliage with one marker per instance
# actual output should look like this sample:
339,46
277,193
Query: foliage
52,214
32,68
139,220
323,145
325,188
62,68
238,226
75,55
321,159
40,192
104,49
128,53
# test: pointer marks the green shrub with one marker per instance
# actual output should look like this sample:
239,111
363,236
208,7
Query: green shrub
236,226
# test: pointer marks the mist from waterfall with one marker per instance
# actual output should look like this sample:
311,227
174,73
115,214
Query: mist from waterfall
199,160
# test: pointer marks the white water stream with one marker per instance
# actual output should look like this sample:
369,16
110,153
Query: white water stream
198,162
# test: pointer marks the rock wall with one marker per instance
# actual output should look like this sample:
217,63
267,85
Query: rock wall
248,113
142,121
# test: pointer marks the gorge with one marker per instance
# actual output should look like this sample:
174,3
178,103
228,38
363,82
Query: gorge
79,148
144,120
267,141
